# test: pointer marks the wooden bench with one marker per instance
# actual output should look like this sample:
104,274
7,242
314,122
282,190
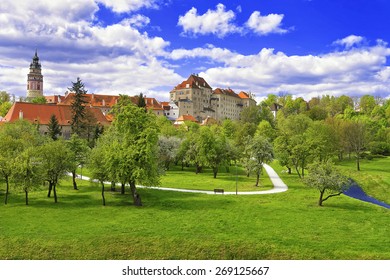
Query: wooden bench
219,191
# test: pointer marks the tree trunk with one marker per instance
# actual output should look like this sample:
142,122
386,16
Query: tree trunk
215,172
257,179
289,170
50,188
358,161
113,186
103,198
321,198
74,180
123,188
55,192
136,196
6,190
26,194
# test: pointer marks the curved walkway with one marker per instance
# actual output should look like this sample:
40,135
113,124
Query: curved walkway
279,185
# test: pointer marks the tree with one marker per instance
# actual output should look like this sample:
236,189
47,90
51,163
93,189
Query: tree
356,138
261,152
78,107
324,177
132,145
39,100
27,173
97,165
79,153
212,147
141,102
15,138
56,161
5,103
168,149
53,129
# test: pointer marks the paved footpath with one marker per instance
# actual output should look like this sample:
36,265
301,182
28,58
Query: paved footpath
279,185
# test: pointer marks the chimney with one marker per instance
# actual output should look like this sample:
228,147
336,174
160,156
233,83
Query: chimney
20,115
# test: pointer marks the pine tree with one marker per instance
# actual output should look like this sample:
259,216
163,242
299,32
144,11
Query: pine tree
78,107
54,129
141,101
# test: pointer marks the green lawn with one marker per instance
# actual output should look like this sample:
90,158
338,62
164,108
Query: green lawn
373,177
173,225
188,179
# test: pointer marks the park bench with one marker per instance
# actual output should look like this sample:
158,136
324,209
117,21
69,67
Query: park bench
218,191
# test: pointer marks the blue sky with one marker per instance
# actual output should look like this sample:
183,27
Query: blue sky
305,48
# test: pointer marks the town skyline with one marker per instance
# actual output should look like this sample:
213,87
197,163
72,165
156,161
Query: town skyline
305,48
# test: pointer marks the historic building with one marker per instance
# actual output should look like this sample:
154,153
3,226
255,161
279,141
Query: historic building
40,114
35,79
195,97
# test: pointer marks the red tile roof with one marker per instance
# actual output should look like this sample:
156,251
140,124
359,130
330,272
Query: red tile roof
228,92
41,113
193,81
100,100
186,118
243,95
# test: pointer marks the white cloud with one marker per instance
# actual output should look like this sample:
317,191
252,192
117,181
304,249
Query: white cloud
356,71
349,42
112,59
264,25
124,6
217,22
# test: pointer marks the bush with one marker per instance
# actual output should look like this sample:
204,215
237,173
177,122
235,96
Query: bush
379,148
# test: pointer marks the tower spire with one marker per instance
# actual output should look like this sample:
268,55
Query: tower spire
35,78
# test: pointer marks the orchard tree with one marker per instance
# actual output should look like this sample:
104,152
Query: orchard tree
261,153
79,153
213,147
56,162
27,173
15,138
324,177
168,150
356,138
135,149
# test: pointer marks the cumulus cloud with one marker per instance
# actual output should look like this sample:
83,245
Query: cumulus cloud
349,42
356,71
112,59
124,6
264,25
217,22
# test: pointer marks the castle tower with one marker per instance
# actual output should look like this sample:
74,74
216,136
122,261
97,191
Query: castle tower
35,79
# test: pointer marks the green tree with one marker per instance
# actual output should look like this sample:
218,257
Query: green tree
78,107
56,161
212,147
53,128
39,100
15,138
79,153
5,103
168,149
97,164
141,102
355,134
27,174
136,145
262,152
325,178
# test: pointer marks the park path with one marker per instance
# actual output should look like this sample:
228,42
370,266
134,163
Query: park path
279,185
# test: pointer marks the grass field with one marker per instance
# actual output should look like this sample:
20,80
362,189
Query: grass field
374,176
173,225
205,181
